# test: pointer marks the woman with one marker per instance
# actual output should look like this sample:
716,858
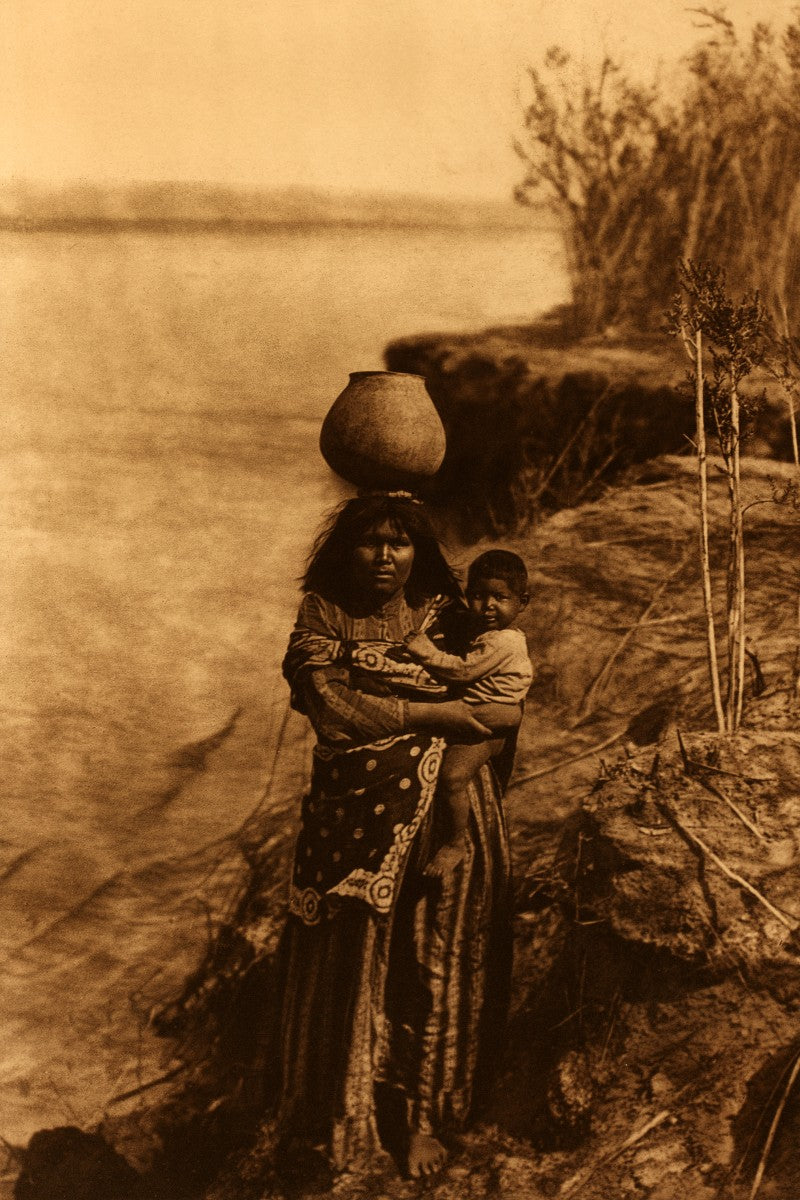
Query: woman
391,987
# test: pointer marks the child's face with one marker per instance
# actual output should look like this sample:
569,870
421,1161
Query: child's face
494,604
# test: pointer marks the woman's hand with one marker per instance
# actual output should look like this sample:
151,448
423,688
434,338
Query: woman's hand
452,717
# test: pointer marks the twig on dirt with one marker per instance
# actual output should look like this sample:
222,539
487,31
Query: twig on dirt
576,1012
602,676
693,765
611,1023
773,1129
701,766
578,1181
20,860
63,1099
567,762
73,911
695,771
734,808
631,540
151,1083
596,474
643,624
726,870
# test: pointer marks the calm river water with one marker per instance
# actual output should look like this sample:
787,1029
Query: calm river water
160,483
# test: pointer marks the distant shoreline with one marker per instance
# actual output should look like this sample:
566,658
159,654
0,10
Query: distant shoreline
254,227
188,208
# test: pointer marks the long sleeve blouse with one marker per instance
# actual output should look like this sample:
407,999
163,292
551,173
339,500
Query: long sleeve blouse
496,665
339,713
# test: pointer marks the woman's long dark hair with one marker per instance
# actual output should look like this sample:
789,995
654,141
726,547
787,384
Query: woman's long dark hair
328,568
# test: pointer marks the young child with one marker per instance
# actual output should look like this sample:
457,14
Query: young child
497,673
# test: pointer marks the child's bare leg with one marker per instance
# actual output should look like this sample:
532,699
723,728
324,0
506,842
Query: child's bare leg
461,764
500,718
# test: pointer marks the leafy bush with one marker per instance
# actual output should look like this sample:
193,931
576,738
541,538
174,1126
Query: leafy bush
642,180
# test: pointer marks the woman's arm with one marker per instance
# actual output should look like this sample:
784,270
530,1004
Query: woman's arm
321,686
451,718
342,714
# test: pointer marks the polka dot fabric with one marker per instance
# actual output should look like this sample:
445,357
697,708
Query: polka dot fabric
358,821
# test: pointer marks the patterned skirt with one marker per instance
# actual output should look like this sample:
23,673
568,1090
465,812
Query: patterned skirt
412,999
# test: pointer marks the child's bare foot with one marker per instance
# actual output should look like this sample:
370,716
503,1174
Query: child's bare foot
446,859
426,1155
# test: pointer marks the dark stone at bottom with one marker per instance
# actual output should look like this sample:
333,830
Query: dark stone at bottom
68,1164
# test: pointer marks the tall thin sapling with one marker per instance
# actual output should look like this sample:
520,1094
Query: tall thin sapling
725,340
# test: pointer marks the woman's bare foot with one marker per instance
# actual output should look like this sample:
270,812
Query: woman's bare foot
446,859
426,1155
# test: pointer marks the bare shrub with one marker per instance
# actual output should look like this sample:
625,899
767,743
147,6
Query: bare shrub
733,337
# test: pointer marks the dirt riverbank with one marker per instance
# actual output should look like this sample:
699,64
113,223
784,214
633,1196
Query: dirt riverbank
538,421
655,991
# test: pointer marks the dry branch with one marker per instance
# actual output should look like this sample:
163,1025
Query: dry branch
567,762
733,807
790,923
773,1129
602,676
693,765
705,561
151,1083
571,441
577,1182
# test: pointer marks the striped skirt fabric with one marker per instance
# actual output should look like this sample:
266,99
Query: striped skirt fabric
413,1000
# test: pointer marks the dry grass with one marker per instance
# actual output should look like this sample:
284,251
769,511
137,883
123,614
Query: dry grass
642,180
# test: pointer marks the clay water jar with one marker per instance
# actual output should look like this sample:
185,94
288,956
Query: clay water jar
383,432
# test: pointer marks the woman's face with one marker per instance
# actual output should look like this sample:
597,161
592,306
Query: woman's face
382,560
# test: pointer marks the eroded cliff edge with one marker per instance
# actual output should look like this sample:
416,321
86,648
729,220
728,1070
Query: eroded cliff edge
537,420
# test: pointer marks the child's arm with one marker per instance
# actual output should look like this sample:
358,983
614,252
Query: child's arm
484,659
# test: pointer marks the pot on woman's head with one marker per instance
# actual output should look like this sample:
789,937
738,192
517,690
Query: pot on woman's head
383,431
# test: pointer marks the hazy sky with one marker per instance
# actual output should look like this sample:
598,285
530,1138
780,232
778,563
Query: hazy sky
405,95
